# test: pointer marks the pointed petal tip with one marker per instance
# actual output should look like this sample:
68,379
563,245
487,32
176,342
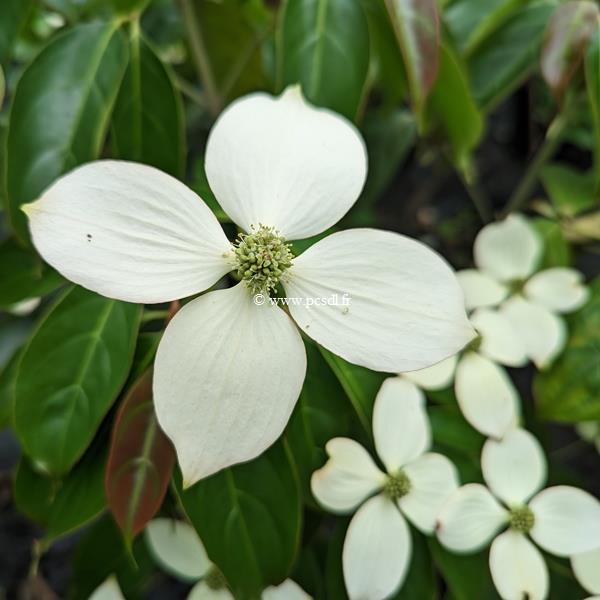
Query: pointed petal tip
294,91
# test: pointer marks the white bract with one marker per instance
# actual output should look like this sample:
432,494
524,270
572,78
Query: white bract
562,520
507,255
415,484
586,567
108,590
228,372
177,548
485,393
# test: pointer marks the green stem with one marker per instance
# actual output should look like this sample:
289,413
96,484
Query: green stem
200,58
479,199
545,153
154,315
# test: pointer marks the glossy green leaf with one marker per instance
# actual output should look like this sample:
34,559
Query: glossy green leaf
324,46
62,505
570,390
592,78
471,22
249,519
70,374
61,110
8,376
568,33
510,54
140,461
571,191
417,27
12,16
320,414
147,123
23,275
360,384
451,106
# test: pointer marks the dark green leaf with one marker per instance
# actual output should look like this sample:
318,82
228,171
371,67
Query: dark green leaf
62,505
417,28
592,78
361,386
8,376
570,390
61,110
570,190
12,16
557,252
324,46
23,275
71,372
452,108
510,54
420,580
320,414
249,520
148,121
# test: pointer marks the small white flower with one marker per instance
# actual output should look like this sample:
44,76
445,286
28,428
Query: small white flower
108,590
507,255
586,567
228,372
416,483
177,548
562,520
485,393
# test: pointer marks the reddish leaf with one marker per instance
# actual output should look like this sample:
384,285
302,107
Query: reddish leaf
569,31
417,27
140,462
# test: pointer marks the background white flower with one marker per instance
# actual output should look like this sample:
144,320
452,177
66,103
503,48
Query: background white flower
177,548
228,372
586,567
507,255
484,391
108,590
377,547
562,520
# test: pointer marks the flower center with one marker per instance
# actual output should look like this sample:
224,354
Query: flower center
214,579
475,343
397,485
261,258
516,286
521,519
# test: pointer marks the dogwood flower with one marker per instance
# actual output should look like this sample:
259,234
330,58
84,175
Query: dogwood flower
229,370
108,590
562,520
485,393
176,547
590,432
507,255
586,567
415,484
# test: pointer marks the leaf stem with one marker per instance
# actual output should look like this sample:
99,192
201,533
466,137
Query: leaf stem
552,141
200,58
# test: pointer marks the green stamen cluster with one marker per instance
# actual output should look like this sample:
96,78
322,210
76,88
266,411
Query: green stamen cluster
261,258
516,286
521,519
475,344
397,485
214,579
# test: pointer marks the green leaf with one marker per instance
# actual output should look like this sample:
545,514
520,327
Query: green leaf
140,462
148,124
592,78
253,529
510,54
324,46
451,106
360,384
570,190
570,390
569,31
61,110
417,28
420,580
23,275
62,505
320,414
2,86
70,374
13,14
467,576
8,376
557,251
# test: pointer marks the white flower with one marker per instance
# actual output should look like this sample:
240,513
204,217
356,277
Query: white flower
228,372
177,548
507,255
485,393
108,590
586,567
562,520
416,483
